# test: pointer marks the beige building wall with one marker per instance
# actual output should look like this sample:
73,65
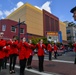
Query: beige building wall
32,16
63,30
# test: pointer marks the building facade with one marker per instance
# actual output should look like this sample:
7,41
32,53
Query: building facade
62,27
10,29
32,16
71,32
39,22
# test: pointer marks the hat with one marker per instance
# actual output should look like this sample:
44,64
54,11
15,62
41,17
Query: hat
73,9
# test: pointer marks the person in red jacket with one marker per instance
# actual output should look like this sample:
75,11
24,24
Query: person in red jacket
30,54
23,54
40,46
2,44
49,48
6,50
55,50
13,54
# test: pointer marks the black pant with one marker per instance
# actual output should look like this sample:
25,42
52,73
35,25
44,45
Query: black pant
50,55
22,66
4,62
29,61
41,60
55,54
12,59
1,63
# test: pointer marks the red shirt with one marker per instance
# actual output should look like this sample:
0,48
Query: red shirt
74,47
2,44
49,47
41,49
13,47
30,50
6,51
22,50
55,48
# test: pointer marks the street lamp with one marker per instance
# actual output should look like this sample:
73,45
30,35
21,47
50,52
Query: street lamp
19,23
73,10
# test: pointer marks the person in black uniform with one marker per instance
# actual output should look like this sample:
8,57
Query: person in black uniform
73,10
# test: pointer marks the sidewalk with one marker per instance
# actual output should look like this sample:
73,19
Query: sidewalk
54,67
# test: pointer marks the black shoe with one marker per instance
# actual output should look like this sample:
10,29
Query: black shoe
29,67
41,70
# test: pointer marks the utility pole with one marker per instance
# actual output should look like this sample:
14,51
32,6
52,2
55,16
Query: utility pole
19,24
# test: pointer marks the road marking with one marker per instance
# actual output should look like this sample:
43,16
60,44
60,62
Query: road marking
63,61
57,60
33,71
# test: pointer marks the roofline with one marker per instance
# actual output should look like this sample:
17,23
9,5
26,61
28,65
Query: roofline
25,5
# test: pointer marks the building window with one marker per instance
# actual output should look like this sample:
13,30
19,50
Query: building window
69,38
68,32
13,29
21,30
3,27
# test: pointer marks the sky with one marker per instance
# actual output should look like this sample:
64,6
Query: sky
59,8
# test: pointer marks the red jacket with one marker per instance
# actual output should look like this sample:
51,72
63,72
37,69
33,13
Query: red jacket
49,47
22,50
30,50
13,47
2,44
6,50
41,49
74,47
55,48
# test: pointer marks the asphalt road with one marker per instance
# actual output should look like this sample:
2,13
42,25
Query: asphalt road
63,65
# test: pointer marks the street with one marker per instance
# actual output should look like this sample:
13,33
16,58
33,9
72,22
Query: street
63,65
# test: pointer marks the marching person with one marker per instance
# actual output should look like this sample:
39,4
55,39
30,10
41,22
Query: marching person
2,44
13,54
49,48
30,54
22,55
55,51
73,10
6,50
62,47
41,47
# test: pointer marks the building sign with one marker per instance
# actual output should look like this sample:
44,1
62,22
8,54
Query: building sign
52,36
52,33
60,36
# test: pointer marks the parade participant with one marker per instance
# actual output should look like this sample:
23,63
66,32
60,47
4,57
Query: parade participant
6,50
55,51
22,55
49,48
62,47
41,47
74,45
13,54
30,54
2,44
73,10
